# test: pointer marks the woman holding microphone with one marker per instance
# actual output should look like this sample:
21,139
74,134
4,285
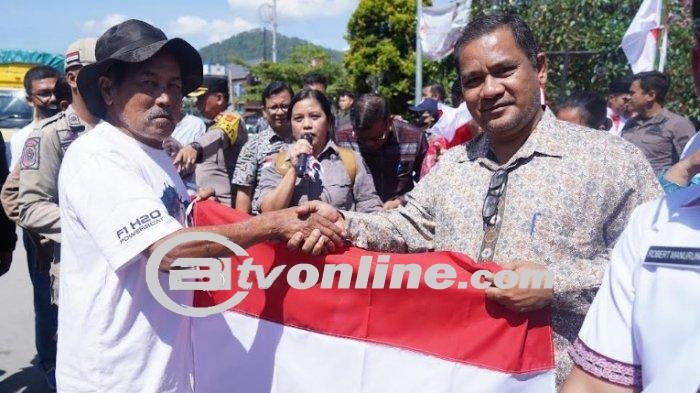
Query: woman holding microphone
314,167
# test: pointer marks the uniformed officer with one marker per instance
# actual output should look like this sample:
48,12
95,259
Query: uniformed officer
42,155
215,152
642,330
332,174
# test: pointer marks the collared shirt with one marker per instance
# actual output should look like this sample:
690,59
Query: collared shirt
566,203
256,154
220,154
642,328
333,186
396,165
661,138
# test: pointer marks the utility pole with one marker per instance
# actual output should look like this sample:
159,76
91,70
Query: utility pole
274,31
419,55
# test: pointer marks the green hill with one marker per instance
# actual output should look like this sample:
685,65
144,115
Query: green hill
249,47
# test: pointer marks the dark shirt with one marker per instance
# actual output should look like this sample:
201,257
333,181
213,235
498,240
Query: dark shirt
8,237
661,138
396,165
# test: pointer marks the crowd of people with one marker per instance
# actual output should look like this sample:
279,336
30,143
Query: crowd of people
104,173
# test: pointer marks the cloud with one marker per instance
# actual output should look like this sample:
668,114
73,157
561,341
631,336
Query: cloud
214,31
187,26
298,9
98,27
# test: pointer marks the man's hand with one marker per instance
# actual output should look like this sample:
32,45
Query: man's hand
304,229
522,299
393,204
5,261
683,171
204,193
185,160
324,209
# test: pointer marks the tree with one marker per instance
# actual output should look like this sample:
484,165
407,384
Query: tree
381,58
381,34
596,27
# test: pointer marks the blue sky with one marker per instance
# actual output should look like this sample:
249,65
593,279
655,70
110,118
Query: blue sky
52,25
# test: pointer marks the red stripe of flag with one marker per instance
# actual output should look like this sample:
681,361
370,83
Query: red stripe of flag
454,324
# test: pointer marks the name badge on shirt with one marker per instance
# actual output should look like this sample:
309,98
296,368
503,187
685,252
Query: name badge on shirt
673,256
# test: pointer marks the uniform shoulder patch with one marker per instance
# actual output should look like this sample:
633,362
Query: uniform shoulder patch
229,123
74,121
30,154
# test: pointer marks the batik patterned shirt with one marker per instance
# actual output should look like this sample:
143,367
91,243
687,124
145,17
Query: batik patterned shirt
569,194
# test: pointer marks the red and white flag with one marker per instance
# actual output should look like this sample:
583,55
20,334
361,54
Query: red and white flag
366,340
453,128
643,37
453,124
441,26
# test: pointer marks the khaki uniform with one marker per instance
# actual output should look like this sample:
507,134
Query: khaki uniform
221,145
38,183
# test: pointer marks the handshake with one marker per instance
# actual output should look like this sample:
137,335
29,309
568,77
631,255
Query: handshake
314,227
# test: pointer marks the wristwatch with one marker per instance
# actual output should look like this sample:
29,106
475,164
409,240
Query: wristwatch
200,151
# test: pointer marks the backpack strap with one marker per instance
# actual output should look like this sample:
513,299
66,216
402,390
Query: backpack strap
347,156
282,163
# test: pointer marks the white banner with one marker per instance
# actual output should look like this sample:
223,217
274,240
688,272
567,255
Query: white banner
441,26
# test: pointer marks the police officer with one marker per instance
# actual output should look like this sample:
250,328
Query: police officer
215,152
34,201
43,152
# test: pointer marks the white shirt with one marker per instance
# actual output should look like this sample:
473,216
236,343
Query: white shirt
189,129
17,142
646,316
616,128
118,197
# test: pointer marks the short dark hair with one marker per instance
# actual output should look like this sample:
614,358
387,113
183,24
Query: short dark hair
456,92
346,93
62,91
489,23
38,73
313,78
592,106
438,90
275,87
367,110
620,85
321,99
654,81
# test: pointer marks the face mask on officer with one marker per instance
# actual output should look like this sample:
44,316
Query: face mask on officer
43,99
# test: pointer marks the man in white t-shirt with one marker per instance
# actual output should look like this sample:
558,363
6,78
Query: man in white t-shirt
121,197
189,129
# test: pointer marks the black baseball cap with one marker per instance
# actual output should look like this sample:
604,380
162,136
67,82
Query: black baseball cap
211,84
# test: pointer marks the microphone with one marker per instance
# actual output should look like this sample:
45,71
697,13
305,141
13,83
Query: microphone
303,158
